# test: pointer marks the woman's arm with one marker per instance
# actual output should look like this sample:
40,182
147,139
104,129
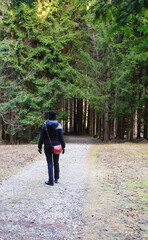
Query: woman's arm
41,139
61,138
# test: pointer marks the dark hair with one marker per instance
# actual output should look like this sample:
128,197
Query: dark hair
52,115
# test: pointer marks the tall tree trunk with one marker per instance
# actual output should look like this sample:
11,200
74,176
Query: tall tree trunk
106,122
71,115
94,122
85,117
1,130
102,127
139,109
111,128
12,128
131,128
80,115
106,112
146,120
122,127
115,127
146,109
119,127
66,122
98,127
135,124
1,120
75,116
139,123
88,121
91,122
4,128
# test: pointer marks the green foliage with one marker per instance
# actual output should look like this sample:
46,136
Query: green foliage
52,49
121,62
124,14
43,53
16,3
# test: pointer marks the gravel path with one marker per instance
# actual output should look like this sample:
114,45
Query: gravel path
32,210
100,196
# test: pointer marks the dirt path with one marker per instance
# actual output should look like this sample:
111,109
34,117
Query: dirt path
32,210
93,199
115,206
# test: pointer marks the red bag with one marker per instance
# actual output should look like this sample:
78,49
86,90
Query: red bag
57,149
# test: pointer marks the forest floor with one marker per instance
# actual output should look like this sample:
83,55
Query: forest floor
101,194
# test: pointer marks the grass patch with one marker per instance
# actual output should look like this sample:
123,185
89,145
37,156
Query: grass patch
14,201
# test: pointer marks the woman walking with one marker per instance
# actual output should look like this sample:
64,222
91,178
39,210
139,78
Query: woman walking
51,135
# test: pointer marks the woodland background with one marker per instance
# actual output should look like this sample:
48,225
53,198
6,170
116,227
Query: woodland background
87,60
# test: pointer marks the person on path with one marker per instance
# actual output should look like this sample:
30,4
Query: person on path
56,135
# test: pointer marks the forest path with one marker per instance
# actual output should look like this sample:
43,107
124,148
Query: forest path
86,203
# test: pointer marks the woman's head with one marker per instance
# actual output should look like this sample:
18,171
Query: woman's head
52,115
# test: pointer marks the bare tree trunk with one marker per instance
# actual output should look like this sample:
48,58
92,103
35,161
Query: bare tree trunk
75,115
12,128
88,121
4,135
1,130
131,128
80,115
146,120
94,123
115,127
98,127
119,128
139,110
139,123
71,115
66,122
111,128
122,127
102,126
91,122
146,110
85,116
135,125
106,122
106,112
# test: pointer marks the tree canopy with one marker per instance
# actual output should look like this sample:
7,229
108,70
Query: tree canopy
82,58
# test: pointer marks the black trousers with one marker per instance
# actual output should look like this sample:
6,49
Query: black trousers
53,163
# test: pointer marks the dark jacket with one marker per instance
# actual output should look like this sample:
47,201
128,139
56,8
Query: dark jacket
55,132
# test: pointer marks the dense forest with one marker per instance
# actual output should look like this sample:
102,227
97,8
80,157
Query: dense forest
87,60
